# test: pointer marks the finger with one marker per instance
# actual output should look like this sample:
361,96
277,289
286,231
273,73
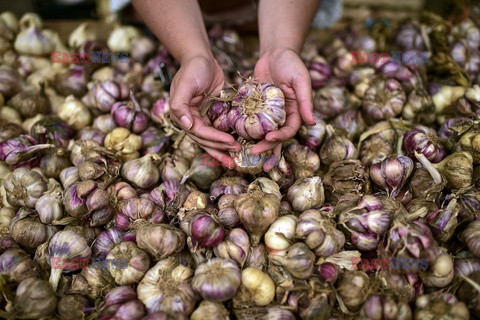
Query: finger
272,162
214,145
263,146
205,132
289,129
222,157
181,98
303,92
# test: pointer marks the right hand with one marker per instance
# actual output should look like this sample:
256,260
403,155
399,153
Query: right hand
199,75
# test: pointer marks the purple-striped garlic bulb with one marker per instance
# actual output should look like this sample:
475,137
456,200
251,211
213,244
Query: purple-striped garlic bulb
170,196
235,246
130,115
320,71
160,111
228,185
131,263
392,173
304,161
160,240
330,101
104,94
257,109
423,140
366,222
378,307
106,240
312,136
135,209
336,147
443,221
319,233
383,100
121,303
22,151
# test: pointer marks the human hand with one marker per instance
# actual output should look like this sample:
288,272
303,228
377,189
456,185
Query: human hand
197,76
286,70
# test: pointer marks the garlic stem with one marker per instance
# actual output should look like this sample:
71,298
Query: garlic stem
436,176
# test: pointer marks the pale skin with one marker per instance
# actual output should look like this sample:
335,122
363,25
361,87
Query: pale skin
283,26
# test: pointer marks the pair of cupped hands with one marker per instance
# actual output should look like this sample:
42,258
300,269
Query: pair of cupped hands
202,74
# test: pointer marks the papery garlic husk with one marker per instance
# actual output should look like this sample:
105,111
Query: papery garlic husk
377,143
124,143
137,262
33,41
392,173
16,265
170,196
264,313
235,246
187,148
160,240
378,307
49,206
298,260
22,151
345,177
73,306
440,274
304,162
353,287
257,257
257,109
440,304
66,245
196,200
142,172
210,310
257,289
167,287
319,233
424,185
312,300
83,33
469,295
406,286
246,162
173,168
257,210
104,94
227,186
330,101
28,231
31,101
92,282
122,38
24,187
6,216
202,174
336,147
217,280
34,299
306,193
75,113
280,235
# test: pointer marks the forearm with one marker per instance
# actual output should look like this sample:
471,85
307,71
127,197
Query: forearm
178,24
284,24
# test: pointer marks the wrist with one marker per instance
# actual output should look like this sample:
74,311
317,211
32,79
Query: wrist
277,51
207,55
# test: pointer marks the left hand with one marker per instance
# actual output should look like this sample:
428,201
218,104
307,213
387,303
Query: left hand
286,70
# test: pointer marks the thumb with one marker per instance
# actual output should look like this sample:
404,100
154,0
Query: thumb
181,99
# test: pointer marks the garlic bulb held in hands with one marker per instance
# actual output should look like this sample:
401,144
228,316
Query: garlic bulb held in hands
257,109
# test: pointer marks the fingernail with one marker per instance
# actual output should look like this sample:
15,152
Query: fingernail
186,122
